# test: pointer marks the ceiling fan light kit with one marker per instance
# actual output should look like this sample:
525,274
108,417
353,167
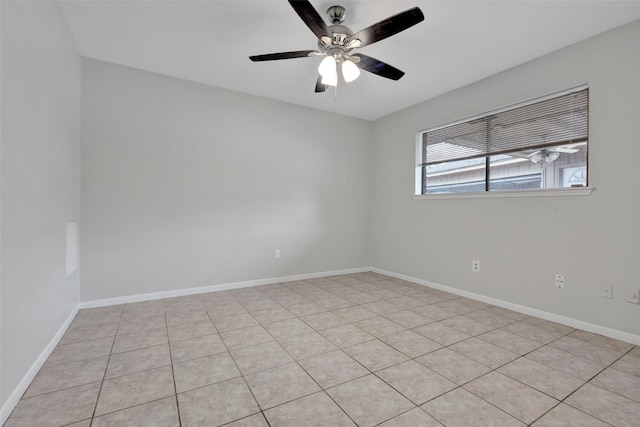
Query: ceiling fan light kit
336,42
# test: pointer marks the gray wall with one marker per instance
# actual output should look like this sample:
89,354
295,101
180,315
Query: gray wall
186,185
40,181
523,242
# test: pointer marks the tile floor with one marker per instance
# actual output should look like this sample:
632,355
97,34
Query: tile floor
360,349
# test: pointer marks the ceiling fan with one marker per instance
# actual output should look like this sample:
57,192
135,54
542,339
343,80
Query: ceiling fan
336,43
547,155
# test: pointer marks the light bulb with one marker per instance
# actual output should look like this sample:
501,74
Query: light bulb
330,79
552,156
350,71
327,66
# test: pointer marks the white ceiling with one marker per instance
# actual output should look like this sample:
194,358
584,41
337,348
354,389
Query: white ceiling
459,42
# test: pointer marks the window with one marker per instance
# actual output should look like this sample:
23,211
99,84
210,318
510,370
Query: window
539,144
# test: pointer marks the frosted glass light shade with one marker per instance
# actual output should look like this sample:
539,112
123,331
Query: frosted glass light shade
350,71
330,79
327,66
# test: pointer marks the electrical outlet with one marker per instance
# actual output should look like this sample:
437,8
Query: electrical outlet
559,280
276,254
606,291
475,266
632,296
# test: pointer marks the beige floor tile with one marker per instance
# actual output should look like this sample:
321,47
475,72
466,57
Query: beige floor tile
135,389
224,310
547,380
306,308
565,362
434,313
137,324
346,335
408,319
467,325
355,313
55,409
441,334
535,333
334,302
205,371
410,343
256,420
69,375
216,404
413,418
375,355
85,423
159,413
548,325
307,345
406,302
509,341
507,313
102,330
246,337
279,385
484,352
382,307
619,382
288,328
260,357
416,382
80,351
565,415
138,360
629,363
179,317
185,331
605,405
489,318
379,326
459,408
455,306
260,304
601,340
235,321
324,320
141,339
369,401
361,298
333,368
316,410
193,348
517,399
143,309
585,349
454,366
272,315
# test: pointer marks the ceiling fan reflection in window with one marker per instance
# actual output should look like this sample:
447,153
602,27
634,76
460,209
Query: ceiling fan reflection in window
337,42
549,154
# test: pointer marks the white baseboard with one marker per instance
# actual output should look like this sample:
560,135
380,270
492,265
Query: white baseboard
14,398
214,288
574,323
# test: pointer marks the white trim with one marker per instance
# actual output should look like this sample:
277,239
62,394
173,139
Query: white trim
17,393
548,192
214,288
574,323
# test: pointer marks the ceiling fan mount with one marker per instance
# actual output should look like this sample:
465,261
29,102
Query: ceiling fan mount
336,43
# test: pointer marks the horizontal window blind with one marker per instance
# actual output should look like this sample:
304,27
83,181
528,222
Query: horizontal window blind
554,121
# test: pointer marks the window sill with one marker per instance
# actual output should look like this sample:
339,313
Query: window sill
551,192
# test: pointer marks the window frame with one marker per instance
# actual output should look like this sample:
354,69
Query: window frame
542,192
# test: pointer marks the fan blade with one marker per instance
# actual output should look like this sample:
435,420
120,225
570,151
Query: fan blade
565,150
319,86
519,154
283,55
379,68
310,16
389,26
